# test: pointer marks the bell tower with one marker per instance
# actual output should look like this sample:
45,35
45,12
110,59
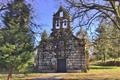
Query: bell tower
61,20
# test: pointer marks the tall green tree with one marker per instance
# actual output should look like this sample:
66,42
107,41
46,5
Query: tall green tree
107,42
16,46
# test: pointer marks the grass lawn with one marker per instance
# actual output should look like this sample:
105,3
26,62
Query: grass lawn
95,73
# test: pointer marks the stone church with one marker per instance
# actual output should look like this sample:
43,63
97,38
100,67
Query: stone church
62,51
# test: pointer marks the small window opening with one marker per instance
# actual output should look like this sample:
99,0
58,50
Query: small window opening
65,23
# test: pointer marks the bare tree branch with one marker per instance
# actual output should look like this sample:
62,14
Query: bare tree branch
107,8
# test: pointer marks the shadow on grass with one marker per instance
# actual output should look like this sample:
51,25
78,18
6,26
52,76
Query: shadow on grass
50,79
46,79
101,67
55,77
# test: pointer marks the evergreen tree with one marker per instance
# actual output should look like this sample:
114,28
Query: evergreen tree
44,35
16,46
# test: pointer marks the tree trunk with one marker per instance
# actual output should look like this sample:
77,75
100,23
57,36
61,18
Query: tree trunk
9,77
104,58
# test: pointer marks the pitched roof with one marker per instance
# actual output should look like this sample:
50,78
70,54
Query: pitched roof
61,8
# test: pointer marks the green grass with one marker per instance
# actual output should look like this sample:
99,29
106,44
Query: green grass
95,73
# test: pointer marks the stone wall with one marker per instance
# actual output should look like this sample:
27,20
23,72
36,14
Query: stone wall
74,54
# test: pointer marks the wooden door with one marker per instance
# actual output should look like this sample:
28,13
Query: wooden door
61,65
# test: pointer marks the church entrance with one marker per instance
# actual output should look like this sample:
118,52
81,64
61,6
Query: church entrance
61,65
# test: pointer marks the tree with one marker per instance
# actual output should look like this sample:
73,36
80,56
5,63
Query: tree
16,46
101,43
92,11
18,15
115,43
44,36
2,7
15,52
107,42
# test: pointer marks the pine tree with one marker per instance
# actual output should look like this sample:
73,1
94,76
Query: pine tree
16,46
44,36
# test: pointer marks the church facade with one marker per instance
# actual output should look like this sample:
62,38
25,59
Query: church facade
62,51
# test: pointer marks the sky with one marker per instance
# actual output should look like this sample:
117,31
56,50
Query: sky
44,10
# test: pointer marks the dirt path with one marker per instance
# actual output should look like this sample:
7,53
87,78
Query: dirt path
74,76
